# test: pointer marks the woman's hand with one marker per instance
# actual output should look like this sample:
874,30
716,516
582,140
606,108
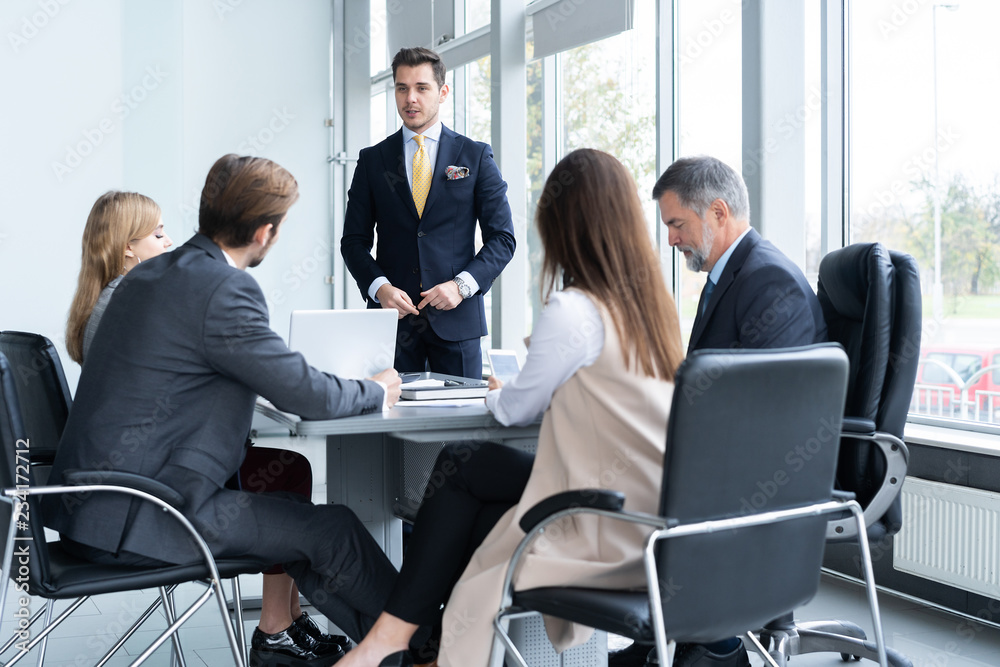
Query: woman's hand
493,383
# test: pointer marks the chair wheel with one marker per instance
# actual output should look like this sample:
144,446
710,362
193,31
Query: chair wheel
847,657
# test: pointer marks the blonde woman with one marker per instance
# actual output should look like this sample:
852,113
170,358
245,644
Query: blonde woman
123,229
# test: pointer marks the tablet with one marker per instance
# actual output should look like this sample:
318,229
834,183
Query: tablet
503,364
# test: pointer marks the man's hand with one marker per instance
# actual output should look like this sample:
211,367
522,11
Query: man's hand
443,297
393,297
493,383
393,385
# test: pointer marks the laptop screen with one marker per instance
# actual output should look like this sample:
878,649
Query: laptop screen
352,344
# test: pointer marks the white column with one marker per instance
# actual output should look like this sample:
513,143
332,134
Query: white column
773,124
508,62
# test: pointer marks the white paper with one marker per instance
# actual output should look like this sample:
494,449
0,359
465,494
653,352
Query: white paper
441,403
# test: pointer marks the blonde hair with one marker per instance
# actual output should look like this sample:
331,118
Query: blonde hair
592,227
116,219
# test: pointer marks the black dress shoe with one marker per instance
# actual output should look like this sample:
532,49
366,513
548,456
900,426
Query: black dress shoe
291,648
397,659
309,627
696,655
633,655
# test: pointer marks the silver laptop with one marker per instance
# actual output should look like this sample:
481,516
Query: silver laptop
351,344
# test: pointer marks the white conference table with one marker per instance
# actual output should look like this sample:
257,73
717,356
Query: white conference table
365,455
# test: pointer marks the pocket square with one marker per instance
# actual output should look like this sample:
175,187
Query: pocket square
454,173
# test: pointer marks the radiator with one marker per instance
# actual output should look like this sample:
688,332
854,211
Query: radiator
950,534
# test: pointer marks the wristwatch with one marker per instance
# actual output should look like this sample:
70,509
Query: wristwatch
463,287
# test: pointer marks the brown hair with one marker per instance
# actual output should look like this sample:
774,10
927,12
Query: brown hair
242,194
592,227
116,219
417,56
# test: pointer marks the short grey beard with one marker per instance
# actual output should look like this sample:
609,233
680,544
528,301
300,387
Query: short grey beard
696,260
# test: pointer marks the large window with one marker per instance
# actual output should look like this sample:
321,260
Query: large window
925,179
709,106
597,95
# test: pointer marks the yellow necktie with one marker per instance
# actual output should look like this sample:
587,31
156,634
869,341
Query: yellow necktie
421,175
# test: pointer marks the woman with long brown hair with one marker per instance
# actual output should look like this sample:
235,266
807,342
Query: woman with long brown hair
600,372
123,229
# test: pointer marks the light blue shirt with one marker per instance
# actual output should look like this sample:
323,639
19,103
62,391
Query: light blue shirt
432,136
720,266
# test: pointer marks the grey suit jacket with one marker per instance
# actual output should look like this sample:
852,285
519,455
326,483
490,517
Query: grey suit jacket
168,391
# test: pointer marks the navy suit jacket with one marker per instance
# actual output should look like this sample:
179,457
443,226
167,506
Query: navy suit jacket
416,253
168,391
763,300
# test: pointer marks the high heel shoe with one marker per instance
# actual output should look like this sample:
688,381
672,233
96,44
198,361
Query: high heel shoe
397,659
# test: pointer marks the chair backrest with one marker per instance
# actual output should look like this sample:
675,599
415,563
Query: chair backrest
41,388
749,431
16,443
856,293
904,346
871,301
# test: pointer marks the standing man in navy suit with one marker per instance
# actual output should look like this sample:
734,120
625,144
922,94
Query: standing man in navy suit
423,189
755,297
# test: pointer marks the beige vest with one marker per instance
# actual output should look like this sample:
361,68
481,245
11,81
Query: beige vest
605,428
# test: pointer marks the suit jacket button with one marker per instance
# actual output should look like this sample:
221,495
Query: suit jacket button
421,234
416,271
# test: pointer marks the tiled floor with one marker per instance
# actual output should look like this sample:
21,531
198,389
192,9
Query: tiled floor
927,637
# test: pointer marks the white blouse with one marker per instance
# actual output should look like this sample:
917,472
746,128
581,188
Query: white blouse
568,336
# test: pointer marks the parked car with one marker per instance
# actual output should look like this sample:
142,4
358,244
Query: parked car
946,372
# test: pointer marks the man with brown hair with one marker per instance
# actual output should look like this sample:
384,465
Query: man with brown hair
423,188
168,392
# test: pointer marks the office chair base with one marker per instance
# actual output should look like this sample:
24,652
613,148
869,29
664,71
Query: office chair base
841,637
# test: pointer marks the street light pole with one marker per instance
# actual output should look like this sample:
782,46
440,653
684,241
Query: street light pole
937,294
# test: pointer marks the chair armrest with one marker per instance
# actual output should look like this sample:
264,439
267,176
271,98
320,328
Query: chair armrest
856,425
601,499
897,458
126,479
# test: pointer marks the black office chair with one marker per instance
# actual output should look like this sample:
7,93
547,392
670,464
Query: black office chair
871,302
748,472
53,573
42,390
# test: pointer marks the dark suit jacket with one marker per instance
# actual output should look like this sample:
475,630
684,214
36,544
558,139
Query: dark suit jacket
415,253
762,301
168,391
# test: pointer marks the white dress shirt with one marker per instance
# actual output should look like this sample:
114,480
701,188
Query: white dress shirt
568,336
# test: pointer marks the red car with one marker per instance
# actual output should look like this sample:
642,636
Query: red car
945,371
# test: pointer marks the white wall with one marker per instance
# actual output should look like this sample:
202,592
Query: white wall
153,92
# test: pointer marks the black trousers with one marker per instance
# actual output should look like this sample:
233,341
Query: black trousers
419,348
326,549
470,488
